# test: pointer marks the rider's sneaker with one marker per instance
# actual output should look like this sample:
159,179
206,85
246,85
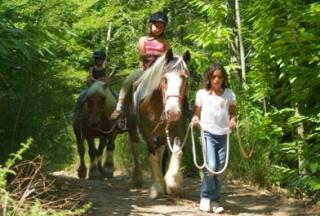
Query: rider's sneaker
216,208
205,205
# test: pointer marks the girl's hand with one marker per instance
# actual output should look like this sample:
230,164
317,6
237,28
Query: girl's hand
232,123
195,121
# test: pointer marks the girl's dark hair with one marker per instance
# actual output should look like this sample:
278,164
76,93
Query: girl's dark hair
208,76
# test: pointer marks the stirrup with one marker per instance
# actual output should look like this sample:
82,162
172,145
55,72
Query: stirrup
122,124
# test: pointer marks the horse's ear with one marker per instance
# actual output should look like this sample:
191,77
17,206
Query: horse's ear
186,57
169,55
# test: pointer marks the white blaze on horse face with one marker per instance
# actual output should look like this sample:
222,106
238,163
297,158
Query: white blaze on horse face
172,107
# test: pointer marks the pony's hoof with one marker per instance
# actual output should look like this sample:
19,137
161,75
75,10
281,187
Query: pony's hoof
108,174
153,194
94,174
136,183
108,171
155,191
82,173
173,184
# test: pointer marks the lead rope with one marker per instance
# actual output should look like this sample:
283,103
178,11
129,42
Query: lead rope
204,152
184,139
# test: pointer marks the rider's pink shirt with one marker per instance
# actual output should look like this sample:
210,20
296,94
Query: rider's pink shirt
152,45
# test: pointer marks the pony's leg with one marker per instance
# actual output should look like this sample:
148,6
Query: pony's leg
174,177
102,145
82,170
158,184
163,153
137,174
108,166
94,170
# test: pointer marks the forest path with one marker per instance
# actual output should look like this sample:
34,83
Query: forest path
115,196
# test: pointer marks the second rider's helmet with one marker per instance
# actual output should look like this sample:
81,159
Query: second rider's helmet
158,17
99,54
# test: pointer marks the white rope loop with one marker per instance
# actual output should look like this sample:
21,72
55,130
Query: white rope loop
204,152
184,139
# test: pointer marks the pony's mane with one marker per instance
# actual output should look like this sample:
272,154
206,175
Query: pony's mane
96,87
151,78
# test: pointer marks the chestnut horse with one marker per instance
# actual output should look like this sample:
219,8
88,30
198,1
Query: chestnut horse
159,105
93,122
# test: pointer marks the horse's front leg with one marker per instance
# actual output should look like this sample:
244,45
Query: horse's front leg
102,145
108,166
94,172
155,160
135,150
173,176
82,170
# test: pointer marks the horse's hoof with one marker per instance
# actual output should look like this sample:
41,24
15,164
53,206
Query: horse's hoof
173,183
94,174
172,190
153,194
108,174
156,191
136,183
108,171
82,173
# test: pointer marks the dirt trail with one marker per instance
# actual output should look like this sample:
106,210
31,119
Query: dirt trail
115,196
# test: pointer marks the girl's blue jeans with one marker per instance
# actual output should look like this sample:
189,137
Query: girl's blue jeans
216,154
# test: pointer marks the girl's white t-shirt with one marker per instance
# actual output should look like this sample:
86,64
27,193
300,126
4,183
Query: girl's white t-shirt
214,116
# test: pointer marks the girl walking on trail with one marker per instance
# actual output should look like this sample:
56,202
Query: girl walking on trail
96,73
150,47
215,111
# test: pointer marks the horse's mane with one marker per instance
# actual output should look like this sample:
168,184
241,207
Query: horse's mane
151,78
96,87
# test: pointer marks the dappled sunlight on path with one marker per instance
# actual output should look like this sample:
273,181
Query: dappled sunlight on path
115,196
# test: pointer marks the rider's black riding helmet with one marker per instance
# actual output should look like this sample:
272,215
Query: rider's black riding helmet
158,17
99,54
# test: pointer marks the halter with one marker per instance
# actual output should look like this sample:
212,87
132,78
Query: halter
180,96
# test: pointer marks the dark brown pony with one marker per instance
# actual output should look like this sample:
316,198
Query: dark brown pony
93,122
159,105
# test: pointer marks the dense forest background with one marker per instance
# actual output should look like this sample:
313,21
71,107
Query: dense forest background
270,48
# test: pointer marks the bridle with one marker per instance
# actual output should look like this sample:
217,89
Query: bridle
181,96
98,128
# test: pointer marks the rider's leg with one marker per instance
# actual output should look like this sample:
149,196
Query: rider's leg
127,84
78,104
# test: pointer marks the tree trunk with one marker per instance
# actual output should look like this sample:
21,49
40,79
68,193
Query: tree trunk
108,40
300,131
242,56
